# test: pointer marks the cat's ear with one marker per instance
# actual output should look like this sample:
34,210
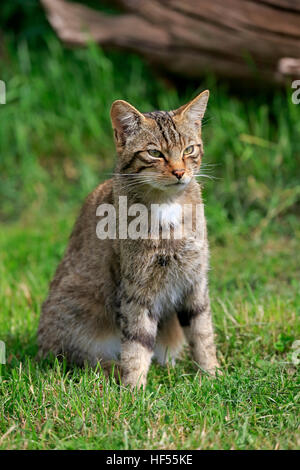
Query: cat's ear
194,110
125,120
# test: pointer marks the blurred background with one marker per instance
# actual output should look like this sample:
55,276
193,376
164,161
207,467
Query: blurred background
55,132
63,64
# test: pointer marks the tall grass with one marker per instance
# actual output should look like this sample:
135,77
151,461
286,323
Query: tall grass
56,139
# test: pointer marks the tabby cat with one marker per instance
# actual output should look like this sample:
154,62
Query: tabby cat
124,300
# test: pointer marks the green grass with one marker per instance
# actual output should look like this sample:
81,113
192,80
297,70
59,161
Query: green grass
256,301
56,145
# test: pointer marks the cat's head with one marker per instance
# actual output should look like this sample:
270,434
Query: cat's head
161,149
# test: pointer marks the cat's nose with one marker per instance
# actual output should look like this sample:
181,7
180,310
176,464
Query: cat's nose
178,173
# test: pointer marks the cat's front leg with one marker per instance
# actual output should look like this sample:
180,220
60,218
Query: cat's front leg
196,320
138,330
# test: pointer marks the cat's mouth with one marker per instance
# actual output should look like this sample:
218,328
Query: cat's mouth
177,185
180,182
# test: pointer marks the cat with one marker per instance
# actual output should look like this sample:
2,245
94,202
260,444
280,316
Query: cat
125,300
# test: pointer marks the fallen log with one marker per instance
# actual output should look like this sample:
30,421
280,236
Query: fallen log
249,39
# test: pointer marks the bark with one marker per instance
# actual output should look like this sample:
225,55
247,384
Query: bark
249,39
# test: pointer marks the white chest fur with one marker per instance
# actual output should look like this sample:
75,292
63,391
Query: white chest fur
168,213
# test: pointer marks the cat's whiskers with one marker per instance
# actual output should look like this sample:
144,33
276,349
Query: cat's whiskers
201,175
137,182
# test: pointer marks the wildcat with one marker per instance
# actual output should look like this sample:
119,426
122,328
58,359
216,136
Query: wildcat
130,300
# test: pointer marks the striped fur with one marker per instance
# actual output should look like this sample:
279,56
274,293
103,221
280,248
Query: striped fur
128,300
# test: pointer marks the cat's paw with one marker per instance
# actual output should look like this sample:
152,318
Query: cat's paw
111,369
131,381
214,371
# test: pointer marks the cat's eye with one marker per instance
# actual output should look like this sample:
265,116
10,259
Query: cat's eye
155,153
188,150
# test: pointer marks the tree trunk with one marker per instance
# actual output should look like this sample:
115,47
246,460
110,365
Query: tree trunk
249,39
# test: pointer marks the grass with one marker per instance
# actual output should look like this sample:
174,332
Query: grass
56,145
254,405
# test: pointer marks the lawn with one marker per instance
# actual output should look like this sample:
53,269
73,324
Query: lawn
255,299
56,145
